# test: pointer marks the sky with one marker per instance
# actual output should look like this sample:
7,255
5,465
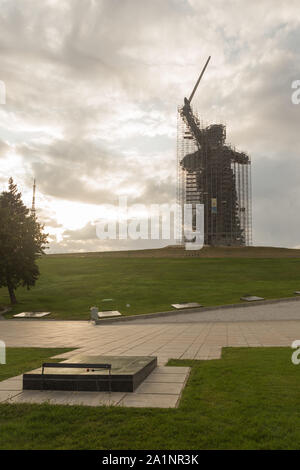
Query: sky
91,95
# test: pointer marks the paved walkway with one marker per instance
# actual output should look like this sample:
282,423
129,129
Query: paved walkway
289,310
165,337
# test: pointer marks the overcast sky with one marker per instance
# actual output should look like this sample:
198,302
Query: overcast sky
92,89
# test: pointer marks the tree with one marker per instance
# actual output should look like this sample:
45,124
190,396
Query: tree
22,242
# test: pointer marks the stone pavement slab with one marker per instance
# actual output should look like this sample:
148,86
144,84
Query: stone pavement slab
153,394
86,398
5,395
14,383
165,378
31,396
170,388
148,400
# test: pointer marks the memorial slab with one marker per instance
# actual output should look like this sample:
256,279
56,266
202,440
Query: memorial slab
31,314
125,375
187,305
109,313
252,298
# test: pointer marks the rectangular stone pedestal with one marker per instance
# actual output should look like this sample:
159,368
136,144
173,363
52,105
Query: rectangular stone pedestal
127,373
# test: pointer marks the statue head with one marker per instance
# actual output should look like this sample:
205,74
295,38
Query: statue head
216,135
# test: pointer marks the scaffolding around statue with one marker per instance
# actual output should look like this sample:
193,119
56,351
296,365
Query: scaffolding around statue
215,174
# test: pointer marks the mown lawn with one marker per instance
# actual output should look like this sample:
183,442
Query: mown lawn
250,399
19,360
68,286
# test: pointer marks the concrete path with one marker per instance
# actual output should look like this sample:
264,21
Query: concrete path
250,312
202,340
188,336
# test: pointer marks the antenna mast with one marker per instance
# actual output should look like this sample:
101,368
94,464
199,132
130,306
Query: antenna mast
33,212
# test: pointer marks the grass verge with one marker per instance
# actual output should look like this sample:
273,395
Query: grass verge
250,399
19,360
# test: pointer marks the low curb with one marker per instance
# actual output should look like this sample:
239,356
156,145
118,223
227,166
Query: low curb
169,313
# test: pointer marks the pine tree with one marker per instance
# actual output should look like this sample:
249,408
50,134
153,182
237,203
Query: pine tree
22,241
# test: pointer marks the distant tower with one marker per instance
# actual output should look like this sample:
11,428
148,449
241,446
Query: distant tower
33,212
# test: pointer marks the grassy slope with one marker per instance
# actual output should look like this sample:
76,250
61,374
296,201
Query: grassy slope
19,360
68,286
247,400
177,251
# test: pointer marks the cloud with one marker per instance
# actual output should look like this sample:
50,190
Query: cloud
88,232
4,149
92,91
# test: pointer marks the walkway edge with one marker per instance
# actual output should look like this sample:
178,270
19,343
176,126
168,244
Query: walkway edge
169,313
